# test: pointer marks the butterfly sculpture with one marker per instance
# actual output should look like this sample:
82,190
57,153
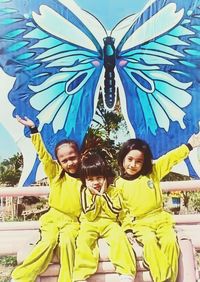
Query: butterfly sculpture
62,57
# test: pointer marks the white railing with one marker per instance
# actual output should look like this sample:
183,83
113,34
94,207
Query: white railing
167,186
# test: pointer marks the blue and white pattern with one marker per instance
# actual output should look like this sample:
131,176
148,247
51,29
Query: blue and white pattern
62,57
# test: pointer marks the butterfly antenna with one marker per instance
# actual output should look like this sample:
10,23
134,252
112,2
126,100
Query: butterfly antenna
97,20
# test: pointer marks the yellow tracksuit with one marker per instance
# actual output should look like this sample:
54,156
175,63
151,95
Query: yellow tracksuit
151,225
99,220
59,226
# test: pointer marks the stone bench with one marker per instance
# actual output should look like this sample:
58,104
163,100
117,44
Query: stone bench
106,270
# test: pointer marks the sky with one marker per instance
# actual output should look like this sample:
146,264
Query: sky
109,12
7,146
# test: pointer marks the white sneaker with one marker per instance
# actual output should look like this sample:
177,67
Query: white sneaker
126,278
12,280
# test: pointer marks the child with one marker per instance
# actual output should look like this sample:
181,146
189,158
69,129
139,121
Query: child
59,226
101,209
151,225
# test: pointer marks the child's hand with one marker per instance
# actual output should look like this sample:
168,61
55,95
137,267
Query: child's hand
104,187
194,140
26,121
130,237
94,191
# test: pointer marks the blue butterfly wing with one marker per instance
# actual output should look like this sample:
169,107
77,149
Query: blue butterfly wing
158,61
56,79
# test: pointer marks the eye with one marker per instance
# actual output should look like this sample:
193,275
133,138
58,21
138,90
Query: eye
99,177
89,179
139,162
73,158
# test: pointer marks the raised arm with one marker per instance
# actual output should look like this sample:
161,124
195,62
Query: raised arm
194,140
166,162
26,121
51,168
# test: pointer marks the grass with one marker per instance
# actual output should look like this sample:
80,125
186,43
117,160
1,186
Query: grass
7,264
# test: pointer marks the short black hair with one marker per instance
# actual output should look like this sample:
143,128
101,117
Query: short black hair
93,163
140,145
72,143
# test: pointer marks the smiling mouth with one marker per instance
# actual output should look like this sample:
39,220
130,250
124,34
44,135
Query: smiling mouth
72,167
132,170
97,188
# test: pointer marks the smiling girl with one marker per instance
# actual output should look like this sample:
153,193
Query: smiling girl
150,225
102,207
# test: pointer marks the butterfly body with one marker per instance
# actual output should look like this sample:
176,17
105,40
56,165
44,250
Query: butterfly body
109,65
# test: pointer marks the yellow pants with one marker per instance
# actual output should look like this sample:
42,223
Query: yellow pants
160,245
58,230
120,251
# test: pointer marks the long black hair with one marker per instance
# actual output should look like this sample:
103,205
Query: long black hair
140,145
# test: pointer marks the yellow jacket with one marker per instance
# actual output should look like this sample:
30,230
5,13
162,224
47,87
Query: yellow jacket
108,206
64,190
143,196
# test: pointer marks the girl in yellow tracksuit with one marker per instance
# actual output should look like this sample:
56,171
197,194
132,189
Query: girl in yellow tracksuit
60,225
150,224
101,206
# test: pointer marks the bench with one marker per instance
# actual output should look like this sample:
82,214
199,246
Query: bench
106,270
19,238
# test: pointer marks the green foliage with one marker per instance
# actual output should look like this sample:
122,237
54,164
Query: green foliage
11,219
10,170
8,260
104,132
195,201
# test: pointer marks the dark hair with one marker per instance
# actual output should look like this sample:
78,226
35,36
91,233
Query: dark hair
140,145
93,163
72,143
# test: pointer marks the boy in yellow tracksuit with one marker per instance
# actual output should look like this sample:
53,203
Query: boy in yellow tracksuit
101,206
151,226
60,225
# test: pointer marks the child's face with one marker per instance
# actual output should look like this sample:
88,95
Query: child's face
133,162
68,158
95,182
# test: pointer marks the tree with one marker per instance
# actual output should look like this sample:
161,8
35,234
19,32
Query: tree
195,201
10,170
104,131
105,126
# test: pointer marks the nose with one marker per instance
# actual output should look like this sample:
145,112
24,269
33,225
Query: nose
69,163
133,163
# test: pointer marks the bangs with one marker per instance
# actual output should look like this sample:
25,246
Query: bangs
96,169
